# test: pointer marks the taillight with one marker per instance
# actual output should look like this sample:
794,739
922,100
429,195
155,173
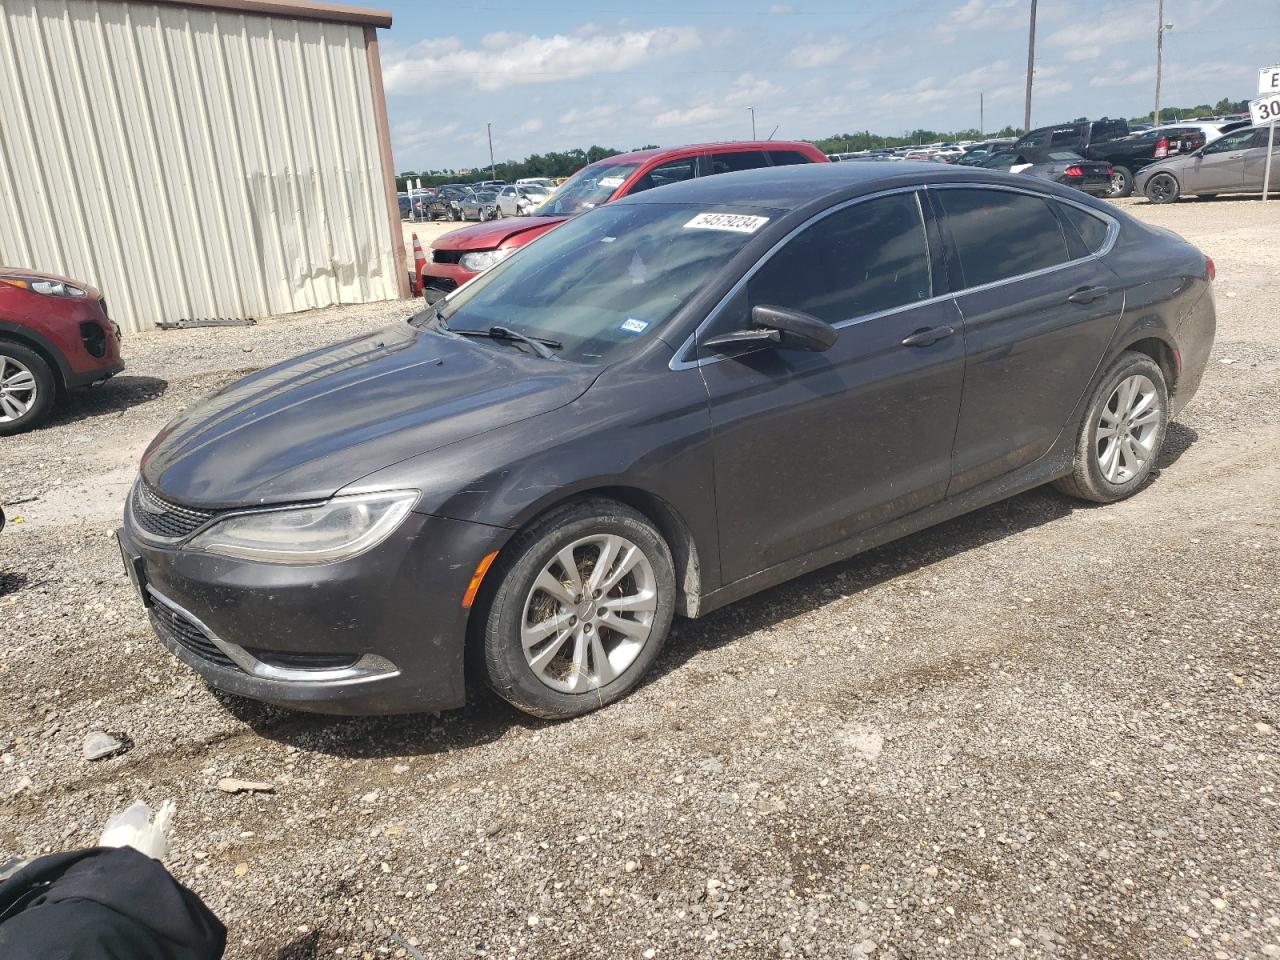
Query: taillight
1162,148
1073,171
1210,269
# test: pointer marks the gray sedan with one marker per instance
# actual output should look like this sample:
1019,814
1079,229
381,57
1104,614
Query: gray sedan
1231,164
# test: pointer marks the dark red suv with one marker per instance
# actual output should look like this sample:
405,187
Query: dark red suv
54,336
459,255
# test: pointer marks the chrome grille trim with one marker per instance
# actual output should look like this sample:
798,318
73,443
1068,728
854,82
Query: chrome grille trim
160,520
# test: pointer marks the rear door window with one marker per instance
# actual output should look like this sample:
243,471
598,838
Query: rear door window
866,258
786,158
741,160
999,234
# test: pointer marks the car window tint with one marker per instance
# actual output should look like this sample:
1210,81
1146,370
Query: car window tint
786,158
1260,139
1232,141
1064,136
1092,230
869,257
673,171
999,234
744,160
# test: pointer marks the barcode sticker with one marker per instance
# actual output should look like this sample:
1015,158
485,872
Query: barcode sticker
732,222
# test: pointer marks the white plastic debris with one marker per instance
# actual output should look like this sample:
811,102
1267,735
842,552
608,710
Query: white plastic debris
134,827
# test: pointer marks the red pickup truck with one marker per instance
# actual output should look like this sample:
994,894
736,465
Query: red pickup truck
459,255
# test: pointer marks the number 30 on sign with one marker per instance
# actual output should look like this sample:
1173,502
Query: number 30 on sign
1265,109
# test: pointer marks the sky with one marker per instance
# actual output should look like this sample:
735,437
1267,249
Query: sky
557,74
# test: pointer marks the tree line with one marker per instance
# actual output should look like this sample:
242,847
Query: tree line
564,163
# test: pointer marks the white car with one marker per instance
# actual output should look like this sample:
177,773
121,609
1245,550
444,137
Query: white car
517,200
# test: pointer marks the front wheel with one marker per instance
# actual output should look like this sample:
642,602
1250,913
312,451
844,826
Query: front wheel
27,388
1122,433
1121,182
581,610
1163,188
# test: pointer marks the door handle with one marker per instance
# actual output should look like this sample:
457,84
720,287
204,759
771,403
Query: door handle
1088,294
927,336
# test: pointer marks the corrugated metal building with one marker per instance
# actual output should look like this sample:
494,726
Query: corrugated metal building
199,158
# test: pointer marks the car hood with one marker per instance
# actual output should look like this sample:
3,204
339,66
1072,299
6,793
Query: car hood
491,235
25,274
306,428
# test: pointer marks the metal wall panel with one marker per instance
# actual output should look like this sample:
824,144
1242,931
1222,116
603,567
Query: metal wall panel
191,162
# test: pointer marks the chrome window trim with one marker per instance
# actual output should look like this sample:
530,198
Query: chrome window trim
369,667
678,361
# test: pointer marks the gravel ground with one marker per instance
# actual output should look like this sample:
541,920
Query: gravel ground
1040,730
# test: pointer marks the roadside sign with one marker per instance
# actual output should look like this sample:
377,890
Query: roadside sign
1269,80
1266,110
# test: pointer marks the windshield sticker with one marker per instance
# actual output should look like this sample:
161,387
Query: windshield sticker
632,325
612,182
732,222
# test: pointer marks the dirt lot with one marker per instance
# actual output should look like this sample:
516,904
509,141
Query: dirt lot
1040,730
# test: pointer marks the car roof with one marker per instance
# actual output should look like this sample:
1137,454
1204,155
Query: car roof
692,149
798,185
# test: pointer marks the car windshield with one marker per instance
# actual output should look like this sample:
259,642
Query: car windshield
1064,155
998,161
589,187
606,281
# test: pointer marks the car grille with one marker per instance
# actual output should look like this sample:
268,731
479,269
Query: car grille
447,256
163,519
172,624
443,284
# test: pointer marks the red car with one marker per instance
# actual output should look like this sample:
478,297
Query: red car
459,255
54,336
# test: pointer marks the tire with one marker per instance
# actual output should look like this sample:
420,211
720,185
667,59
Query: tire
1163,188
582,663
1121,183
1108,469
27,388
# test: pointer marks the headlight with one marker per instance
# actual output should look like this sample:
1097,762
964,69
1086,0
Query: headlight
49,288
483,260
336,530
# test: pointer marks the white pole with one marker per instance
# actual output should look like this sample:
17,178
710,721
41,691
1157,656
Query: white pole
1271,143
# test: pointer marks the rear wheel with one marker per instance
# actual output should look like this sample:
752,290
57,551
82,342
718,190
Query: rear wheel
27,388
1121,182
1163,188
1122,433
581,610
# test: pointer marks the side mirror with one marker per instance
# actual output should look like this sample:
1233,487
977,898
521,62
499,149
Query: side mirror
779,327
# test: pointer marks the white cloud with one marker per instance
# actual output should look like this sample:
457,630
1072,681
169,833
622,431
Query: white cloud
781,9
508,59
809,55
982,15
532,125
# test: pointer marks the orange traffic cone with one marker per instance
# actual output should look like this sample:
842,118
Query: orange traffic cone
419,261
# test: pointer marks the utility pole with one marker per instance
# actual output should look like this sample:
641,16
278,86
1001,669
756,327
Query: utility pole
982,117
1031,68
753,122
489,129
1161,27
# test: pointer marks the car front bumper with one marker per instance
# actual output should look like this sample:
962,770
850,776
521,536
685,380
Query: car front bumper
440,279
383,632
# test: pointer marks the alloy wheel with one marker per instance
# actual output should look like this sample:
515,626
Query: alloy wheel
589,613
1127,429
1117,184
17,390
1162,188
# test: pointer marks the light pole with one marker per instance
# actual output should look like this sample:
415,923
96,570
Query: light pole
982,115
1031,68
753,122
1161,27
489,129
